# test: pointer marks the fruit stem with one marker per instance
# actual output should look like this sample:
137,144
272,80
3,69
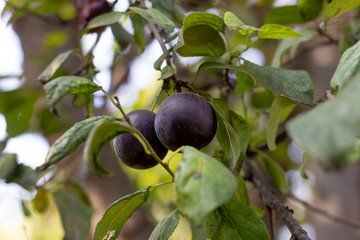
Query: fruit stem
173,155
147,146
156,157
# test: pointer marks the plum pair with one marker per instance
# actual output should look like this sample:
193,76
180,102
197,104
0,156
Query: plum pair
182,119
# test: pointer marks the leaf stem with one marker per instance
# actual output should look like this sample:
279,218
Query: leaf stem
160,184
156,99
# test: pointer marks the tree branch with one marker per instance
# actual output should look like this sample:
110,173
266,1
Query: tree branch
324,213
297,232
272,223
306,51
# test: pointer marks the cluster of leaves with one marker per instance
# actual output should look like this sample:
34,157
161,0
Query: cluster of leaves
211,192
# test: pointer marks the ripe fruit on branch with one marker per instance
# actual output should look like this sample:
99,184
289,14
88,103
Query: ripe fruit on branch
130,151
185,119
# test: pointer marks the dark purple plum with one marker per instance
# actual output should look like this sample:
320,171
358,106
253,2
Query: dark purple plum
130,151
185,119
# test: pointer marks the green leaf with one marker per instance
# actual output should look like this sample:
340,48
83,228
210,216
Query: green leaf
118,213
329,131
60,87
338,7
226,133
306,159
201,19
173,37
138,24
293,84
233,134
258,210
26,211
241,194
155,16
291,45
71,139
234,23
310,9
244,82
18,108
103,132
261,98
347,68
207,65
49,123
284,15
23,175
160,60
104,20
243,133
280,109
166,227
200,36
167,72
41,200
7,164
75,214
170,9
201,40
275,171
121,35
202,184
238,221
277,31
55,39
3,145
54,65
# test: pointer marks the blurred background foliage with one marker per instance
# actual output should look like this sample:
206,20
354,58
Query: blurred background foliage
124,67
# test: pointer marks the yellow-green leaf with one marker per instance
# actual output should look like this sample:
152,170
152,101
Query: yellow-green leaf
118,213
234,23
277,31
338,7
280,109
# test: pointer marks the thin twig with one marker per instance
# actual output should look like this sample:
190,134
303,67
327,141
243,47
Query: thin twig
325,34
306,51
343,221
285,213
272,223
